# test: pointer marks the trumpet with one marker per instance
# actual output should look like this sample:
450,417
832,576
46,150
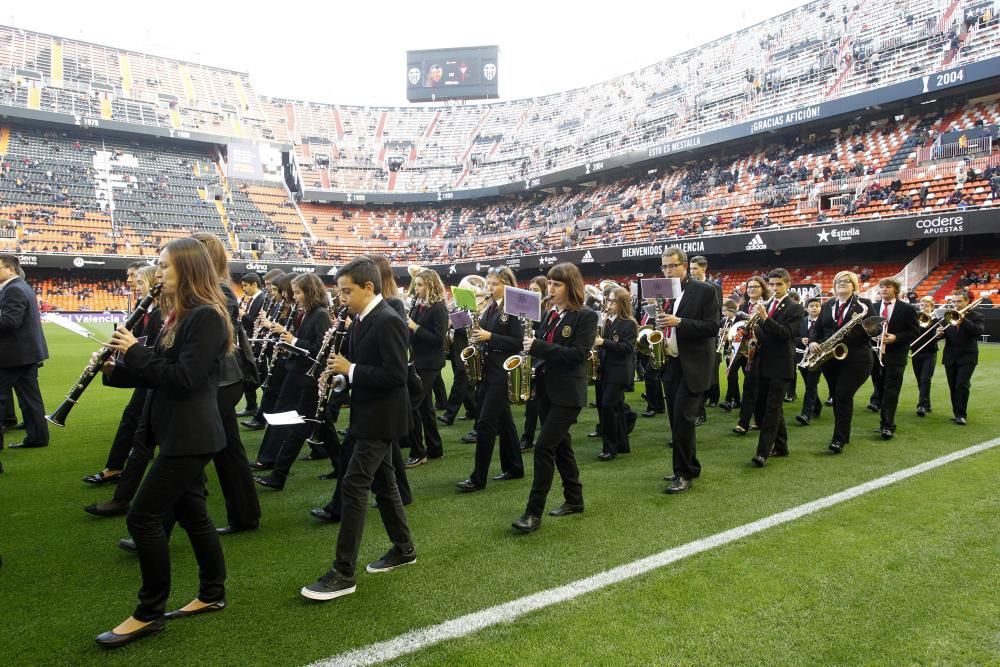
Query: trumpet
58,416
942,317
520,373
880,343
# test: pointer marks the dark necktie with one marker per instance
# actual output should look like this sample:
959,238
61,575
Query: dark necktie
550,336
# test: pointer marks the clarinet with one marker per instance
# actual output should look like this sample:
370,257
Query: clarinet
274,355
324,348
271,315
58,417
322,386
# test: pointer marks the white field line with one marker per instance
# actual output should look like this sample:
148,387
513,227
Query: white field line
419,639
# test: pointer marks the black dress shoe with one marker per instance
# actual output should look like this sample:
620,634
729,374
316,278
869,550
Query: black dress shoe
727,406
700,420
445,420
921,411
127,544
328,475
468,486
739,429
526,446
593,404
110,640
528,523
594,434
19,426
470,437
99,479
108,508
759,461
324,516
253,425
775,452
873,407
649,413
249,412
565,509
269,483
713,404
257,465
207,609
28,445
836,446
413,461
679,485
605,456
505,476
232,530
960,421
791,399
802,419
886,433
829,401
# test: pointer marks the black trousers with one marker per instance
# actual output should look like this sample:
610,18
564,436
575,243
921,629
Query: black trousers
553,450
733,382
845,378
748,408
291,438
462,393
440,391
269,396
424,439
135,465
888,382
683,408
122,443
232,467
250,393
959,384
175,485
812,406
654,388
923,371
792,389
24,380
614,425
294,390
369,468
10,415
530,421
714,392
495,419
344,453
771,400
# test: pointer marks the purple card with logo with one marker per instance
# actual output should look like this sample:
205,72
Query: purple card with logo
661,288
522,303
460,319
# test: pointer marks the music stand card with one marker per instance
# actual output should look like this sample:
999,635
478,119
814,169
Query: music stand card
661,288
460,319
464,298
522,303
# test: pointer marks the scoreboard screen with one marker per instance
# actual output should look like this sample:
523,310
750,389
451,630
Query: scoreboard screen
468,73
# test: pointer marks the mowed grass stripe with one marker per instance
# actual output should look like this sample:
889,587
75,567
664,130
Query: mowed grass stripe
471,623
894,577
64,581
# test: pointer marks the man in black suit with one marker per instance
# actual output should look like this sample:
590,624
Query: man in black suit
811,405
380,412
691,326
775,358
250,282
902,329
699,272
961,354
22,351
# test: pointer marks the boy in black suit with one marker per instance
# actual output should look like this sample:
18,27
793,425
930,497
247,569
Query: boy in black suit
380,409
902,330
775,359
961,355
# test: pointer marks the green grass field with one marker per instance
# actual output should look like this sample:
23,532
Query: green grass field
904,575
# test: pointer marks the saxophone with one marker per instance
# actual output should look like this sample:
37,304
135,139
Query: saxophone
472,358
650,341
834,346
520,373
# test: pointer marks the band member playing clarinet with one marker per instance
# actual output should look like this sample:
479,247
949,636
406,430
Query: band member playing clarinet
183,420
844,376
887,372
924,362
498,336
691,327
775,359
567,335
961,354
617,352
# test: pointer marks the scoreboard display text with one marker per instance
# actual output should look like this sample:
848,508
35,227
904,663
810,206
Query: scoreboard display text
469,73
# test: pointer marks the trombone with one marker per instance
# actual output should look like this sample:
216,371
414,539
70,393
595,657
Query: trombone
943,317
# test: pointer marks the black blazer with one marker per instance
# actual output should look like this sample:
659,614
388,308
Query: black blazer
21,339
804,331
428,339
562,360
183,416
859,344
380,402
961,343
904,325
617,352
698,332
250,316
309,336
776,338
506,340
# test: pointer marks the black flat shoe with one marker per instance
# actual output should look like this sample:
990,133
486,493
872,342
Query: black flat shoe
739,430
107,508
605,456
207,609
528,523
444,420
252,425
470,437
111,640
836,446
802,419
324,516
872,407
527,446
231,530
504,476
100,479
127,544
256,465
775,452
887,434
566,509
679,485
468,486
921,411
759,461
328,475
249,412
269,483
